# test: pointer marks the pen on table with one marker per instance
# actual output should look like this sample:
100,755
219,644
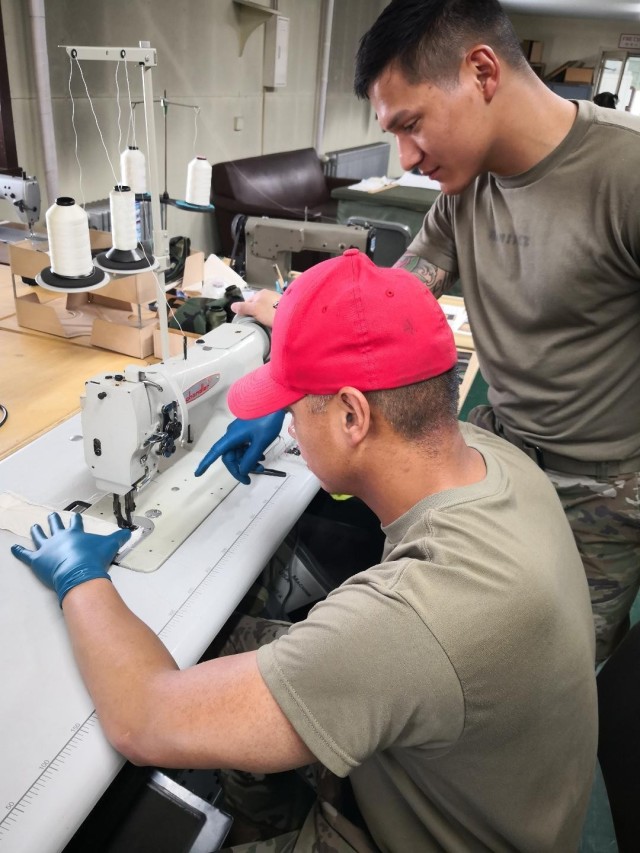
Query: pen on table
271,472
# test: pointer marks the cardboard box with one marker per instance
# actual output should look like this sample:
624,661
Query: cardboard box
535,54
578,75
112,317
89,318
532,50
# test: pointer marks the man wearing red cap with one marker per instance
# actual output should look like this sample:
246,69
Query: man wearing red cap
453,683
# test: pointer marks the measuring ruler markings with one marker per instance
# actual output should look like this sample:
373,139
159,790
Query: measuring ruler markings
89,729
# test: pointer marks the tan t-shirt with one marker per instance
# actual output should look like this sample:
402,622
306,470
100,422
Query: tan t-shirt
454,682
549,262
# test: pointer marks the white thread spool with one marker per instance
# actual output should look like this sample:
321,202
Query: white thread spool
133,169
69,244
122,203
198,182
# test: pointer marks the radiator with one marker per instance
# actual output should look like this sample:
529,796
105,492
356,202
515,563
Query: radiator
364,161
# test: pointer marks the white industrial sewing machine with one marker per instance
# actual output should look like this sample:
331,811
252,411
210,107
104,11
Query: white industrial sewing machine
24,194
146,430
209,542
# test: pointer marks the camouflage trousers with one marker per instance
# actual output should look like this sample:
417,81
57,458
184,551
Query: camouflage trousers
604,514
300,811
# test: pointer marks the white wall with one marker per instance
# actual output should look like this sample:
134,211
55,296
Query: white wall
349,121
566,39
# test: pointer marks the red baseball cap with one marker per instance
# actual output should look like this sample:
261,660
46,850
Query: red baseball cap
343,322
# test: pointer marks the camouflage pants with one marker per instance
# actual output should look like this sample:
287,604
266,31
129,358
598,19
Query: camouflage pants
604,515
300,811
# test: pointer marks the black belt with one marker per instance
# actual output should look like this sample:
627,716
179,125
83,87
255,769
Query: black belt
547,460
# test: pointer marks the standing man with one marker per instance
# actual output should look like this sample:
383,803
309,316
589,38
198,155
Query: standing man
539,219
453,683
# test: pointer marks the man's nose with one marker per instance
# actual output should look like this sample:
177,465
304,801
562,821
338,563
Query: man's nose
411,155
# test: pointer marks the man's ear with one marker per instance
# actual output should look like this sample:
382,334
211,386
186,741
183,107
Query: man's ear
355,414
482,62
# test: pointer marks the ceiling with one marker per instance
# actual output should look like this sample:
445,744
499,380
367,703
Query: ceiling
618,10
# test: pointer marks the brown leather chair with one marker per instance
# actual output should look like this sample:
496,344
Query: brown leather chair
286,185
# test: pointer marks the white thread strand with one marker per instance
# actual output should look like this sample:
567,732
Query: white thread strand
119,108
132,122
133,169
69,244
198,182
122,204
75,132
196,113
113,171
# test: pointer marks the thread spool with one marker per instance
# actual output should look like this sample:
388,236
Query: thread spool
72,268
198,182
69,244
133,169
127,256
122,203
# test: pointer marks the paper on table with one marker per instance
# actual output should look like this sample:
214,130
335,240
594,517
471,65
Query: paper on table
411,180
373,185
215,268
216,273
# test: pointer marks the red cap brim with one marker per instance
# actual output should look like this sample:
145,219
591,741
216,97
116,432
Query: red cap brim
257,394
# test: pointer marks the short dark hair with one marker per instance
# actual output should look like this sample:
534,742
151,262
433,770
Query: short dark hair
427,40
415,411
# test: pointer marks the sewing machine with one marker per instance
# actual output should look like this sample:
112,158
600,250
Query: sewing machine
145,431
24,194
271,241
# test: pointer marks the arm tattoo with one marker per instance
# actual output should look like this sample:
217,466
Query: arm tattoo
436,279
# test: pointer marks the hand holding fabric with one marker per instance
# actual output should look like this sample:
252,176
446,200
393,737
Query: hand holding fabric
243,445
70,556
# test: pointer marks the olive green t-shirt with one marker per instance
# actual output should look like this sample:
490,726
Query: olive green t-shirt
549,262
454,682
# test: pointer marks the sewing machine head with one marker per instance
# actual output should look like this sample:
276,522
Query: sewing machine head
24,193
141,423
271,241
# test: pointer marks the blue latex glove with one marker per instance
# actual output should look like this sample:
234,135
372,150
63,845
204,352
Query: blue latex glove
243,445
70,556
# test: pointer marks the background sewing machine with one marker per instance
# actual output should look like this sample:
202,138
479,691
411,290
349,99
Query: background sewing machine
269,242
145,431
23,192
272,241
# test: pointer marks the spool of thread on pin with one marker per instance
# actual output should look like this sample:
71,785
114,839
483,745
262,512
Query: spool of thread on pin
69,244
198,182
122,203
133,169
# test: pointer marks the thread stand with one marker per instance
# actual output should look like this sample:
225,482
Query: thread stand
126,261
79,284
165,198
145,57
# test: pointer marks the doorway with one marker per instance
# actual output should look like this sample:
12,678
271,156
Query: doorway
619,73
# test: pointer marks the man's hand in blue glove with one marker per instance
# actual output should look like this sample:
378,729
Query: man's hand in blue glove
243,445
70,556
